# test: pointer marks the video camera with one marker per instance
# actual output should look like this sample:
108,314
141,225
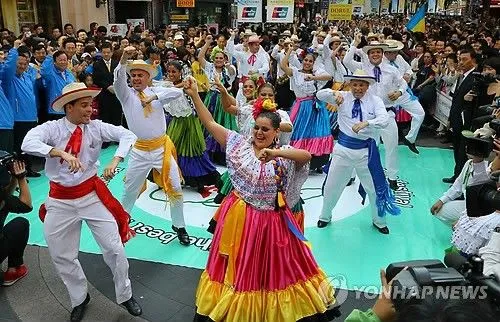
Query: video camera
457,278
6,162
480,80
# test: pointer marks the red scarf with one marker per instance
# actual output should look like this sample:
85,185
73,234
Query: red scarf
58,191
75,143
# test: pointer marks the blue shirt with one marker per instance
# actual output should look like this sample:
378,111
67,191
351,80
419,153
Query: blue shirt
20,91
54,81
6,110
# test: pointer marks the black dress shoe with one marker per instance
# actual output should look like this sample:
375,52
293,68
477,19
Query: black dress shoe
383,230
411,146
393,184
79,311
182,235
132,307
322,224
351,181
32,174
449,180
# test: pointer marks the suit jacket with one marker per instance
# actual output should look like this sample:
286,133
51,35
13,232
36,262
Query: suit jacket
459,105
109,105
102,76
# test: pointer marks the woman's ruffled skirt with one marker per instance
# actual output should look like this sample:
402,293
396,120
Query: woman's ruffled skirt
258,270
472,233
187,135
311,129
214,104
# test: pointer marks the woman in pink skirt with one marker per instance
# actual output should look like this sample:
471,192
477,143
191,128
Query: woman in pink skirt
259,266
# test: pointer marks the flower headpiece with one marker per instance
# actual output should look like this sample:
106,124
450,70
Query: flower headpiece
256,78
263,105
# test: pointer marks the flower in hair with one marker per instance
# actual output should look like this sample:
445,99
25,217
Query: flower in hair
263,105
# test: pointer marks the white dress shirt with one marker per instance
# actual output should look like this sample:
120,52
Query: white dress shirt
278,55
471,174
390,79
401,64
149,127
261,64
303,87
42,139
372,108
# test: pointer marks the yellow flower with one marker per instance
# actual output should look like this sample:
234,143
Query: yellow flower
268,105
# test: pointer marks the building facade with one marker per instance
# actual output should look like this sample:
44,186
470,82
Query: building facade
52,13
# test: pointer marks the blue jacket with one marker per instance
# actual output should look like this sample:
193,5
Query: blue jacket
6,110
54,81
20,91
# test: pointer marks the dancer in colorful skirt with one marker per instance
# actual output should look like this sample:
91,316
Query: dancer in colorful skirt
227,73
311,125
246,123
248,276
186,133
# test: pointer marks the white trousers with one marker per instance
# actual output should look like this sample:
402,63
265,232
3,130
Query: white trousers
451,212
62,229
389,135
139,165
344,160
415,109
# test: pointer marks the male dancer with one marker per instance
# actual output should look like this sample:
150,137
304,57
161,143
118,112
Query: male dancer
71,146
143,109
389,86
360,115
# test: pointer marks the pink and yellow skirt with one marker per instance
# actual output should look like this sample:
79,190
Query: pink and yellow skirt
258,270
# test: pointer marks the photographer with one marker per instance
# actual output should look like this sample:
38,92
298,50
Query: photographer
428,309
449,207
14,235
486,89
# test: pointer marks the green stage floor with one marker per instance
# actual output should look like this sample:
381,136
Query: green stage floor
349,250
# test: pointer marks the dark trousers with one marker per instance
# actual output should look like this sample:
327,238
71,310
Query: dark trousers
459,155
7,140
20,131
15,237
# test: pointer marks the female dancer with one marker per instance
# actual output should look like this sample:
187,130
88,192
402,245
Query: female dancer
311,125
246,123
213,101
248,276
186,133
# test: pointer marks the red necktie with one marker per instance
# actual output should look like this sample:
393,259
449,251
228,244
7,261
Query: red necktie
252,59
74,143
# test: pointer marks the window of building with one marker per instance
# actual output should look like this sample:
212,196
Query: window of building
26,13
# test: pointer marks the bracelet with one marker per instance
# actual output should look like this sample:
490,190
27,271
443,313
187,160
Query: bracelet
21,175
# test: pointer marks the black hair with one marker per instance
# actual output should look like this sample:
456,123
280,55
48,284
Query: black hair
177,65
431,309
453,57
469,50
83,76
273,117
268,85
107,45
69,41
68,25
102,29
58,53
39,47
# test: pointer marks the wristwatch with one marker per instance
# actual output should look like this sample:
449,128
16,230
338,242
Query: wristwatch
497,230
